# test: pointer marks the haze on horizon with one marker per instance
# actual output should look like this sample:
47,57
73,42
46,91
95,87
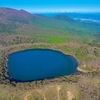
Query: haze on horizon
53,6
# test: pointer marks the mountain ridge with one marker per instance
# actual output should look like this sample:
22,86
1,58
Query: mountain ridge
63,17
10,19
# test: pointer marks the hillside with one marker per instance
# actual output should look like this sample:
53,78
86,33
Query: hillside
21,30
10,19
63,17
8,15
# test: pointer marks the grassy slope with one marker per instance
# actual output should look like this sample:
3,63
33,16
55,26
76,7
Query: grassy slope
71,38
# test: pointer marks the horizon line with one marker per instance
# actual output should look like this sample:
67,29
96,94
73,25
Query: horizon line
52,11
65,12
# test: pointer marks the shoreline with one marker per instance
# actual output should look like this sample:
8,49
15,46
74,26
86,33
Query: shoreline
30,47
82,70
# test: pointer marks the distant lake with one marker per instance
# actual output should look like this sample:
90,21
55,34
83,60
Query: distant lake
35,64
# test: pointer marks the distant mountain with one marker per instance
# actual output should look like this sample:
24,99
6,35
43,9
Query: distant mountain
40,15
86,17
79,17
11,19
63,17
8,15
23,22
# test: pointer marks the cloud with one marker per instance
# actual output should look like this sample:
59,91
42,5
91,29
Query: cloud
87,20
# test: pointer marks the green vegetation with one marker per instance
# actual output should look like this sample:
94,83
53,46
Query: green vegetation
54,39
73,38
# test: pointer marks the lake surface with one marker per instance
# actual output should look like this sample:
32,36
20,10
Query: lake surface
35,64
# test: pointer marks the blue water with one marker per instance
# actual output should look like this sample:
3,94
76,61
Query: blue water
76,15
38,64
81,17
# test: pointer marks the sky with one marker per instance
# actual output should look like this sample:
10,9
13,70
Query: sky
53,5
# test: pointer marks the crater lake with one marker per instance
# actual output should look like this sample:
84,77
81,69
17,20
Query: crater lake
36,64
